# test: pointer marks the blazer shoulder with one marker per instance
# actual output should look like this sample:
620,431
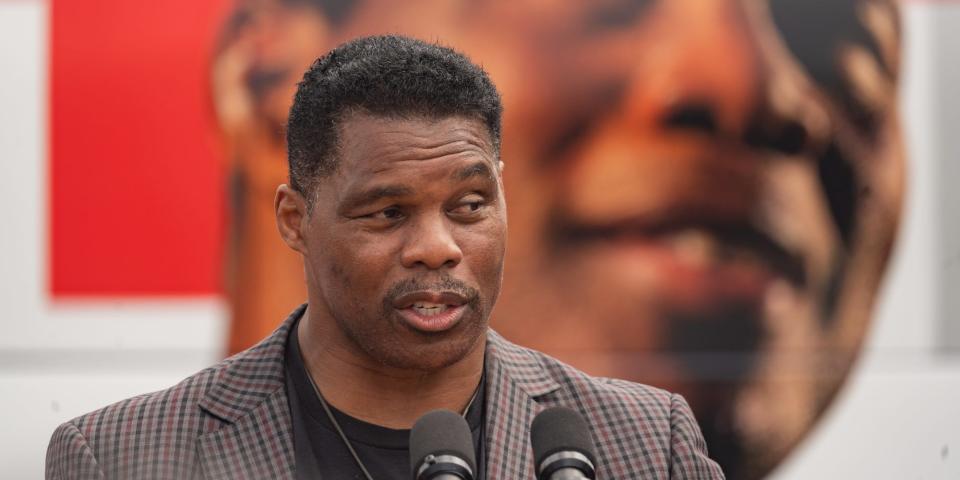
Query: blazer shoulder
667,434
69,456
176,401
152,430
156,435
603,389
674,420
640,431
650,396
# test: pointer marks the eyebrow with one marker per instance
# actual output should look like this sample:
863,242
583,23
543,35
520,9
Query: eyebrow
377,193
479,169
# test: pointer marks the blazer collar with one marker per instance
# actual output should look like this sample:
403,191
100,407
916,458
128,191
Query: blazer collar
250,376
516,379
249,396
257,440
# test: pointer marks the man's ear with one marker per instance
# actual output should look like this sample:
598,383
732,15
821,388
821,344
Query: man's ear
291,210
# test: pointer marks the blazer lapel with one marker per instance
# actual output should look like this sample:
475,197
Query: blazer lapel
256,439
515,379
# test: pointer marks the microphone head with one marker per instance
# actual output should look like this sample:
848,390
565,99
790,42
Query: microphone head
559,429
441,432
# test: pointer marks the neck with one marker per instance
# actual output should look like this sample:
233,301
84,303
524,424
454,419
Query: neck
382,395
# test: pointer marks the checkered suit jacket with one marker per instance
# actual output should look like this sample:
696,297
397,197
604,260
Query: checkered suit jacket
232,421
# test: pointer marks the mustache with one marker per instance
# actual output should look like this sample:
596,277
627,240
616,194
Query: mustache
445,283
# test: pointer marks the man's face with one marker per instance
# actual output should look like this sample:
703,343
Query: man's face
404,246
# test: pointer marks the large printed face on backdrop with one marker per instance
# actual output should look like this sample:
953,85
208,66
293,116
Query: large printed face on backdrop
703,193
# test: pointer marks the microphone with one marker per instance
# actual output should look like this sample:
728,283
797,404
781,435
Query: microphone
441,447
562,445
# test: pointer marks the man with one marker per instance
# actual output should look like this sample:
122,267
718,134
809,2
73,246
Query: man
396,205
704,193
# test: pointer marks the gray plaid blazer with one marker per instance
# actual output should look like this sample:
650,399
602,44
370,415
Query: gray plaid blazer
232,421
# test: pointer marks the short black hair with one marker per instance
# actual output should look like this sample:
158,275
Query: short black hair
390,76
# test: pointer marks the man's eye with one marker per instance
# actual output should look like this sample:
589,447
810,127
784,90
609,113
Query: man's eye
469,207
391,213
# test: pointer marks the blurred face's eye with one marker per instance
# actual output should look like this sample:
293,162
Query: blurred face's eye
850,49
613,14
836,41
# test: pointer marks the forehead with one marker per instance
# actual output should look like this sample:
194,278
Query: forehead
811,29
371,145
593,52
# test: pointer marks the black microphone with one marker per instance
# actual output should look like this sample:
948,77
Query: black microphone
562,445
441,447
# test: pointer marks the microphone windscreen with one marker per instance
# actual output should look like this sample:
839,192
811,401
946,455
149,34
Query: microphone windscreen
560,429
441,432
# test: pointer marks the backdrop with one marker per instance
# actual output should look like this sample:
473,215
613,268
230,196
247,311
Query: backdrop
703,195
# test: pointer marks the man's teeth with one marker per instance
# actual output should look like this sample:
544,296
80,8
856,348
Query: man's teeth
427,309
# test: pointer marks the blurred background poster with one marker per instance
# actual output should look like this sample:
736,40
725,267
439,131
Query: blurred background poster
747,202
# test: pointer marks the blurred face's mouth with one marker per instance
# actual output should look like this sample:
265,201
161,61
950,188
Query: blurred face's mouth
262,80
719,240
701,258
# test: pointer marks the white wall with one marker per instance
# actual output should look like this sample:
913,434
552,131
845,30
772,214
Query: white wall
896,418
59,360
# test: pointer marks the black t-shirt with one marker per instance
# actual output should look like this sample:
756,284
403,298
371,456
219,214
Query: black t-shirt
320,452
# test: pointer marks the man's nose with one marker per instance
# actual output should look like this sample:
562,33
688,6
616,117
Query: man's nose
713,69
431,244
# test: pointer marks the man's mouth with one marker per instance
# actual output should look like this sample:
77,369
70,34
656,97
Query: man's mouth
429,311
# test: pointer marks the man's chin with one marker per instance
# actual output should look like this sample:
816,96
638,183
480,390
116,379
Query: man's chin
428,351
429,359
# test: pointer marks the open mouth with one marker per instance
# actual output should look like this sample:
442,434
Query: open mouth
427,309
262,80
431,312
717,241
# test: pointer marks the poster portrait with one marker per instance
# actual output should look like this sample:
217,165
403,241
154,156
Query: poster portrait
702,194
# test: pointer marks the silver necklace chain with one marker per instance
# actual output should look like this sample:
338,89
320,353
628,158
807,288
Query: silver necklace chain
343,436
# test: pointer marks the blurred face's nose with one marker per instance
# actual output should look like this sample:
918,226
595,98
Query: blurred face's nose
707,139
705,68
691,157
695,67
